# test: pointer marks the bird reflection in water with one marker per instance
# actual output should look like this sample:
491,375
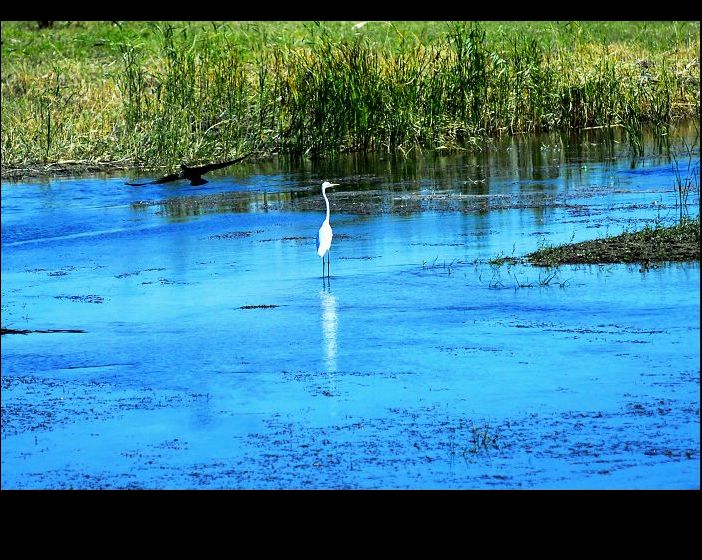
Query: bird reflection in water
329,330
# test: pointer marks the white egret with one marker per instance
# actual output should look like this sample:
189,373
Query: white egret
324,235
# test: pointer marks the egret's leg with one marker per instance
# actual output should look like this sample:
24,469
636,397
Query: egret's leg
328,259
322,266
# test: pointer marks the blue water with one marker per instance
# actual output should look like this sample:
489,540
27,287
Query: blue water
418,364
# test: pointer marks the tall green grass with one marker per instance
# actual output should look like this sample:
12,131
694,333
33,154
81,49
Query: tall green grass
173,92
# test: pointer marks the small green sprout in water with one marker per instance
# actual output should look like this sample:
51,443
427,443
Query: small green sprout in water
484,438
435,265
479,438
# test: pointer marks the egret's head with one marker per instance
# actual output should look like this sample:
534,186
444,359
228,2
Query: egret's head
327,184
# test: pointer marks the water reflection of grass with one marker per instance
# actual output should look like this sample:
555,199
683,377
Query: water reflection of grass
143,93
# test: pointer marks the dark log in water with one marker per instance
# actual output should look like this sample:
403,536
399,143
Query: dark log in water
4,331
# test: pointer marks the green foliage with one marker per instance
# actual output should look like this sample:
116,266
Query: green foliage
161,93
680,242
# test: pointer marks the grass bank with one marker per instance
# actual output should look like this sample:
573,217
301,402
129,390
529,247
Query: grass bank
157,93
680,242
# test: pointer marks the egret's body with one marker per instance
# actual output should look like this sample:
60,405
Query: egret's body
324,235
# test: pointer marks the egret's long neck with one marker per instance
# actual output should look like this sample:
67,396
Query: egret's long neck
326,201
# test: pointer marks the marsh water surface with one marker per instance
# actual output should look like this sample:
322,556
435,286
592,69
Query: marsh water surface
214,355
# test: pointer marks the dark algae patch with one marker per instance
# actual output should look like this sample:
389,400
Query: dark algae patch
263,306
83,299
4,331
652,244
234,234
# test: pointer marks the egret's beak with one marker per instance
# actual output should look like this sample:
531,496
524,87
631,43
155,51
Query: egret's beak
333,184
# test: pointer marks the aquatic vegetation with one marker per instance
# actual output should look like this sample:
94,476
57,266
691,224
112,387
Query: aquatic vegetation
475,439
501,259
680,242
439,266
523,279
157,94
684,186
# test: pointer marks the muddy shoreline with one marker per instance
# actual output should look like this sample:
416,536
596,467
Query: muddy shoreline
60,169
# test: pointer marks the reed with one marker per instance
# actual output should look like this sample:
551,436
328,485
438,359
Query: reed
163,93
686,184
